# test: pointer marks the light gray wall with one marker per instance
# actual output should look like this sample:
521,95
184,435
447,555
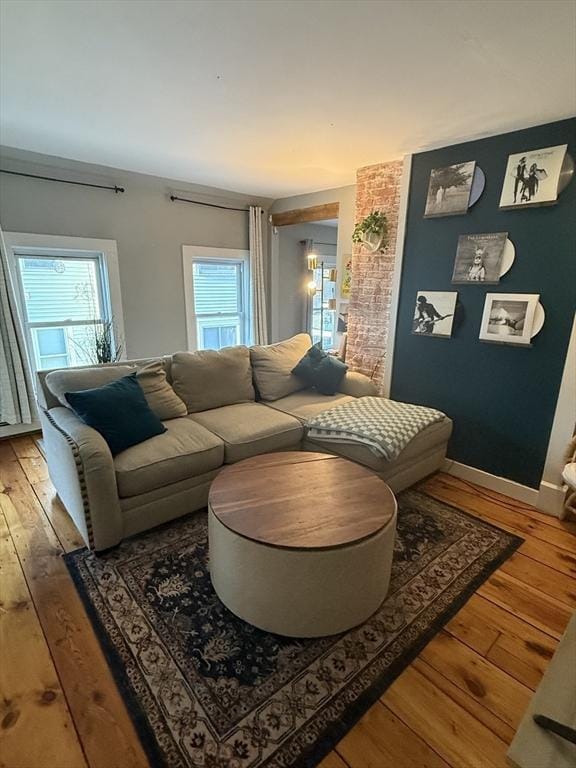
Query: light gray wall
290,307
149,230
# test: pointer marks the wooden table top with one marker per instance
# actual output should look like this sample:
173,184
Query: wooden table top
301,499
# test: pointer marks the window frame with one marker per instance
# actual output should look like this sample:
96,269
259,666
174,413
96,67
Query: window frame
197,253
105,252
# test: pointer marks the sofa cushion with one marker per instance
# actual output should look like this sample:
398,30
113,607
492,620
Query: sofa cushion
152,378
210,379
79,379
357,385
248,429
430,438
118,411
158,393
272,366
308,403
186,449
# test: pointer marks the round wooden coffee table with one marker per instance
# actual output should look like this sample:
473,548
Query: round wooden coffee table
301,543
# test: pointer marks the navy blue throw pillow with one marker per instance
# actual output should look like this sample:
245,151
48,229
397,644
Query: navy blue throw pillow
118,411
321,371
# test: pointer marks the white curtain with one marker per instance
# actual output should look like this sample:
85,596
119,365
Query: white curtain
16,392
258,277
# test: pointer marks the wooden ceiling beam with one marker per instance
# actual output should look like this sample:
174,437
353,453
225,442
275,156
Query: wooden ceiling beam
303,215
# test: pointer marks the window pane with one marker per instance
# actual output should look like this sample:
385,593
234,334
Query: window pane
82,344
215,333
217,288
44,363
68,346
210,338
228,336
60,289
51,341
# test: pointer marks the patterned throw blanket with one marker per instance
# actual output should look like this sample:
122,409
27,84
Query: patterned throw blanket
384,426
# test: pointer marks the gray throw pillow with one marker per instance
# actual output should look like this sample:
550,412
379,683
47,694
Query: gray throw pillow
158,393
272,366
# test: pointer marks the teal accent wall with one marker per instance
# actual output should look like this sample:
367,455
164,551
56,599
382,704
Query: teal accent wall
501,398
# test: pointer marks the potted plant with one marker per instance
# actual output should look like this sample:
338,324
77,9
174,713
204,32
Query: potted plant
107,348
372,232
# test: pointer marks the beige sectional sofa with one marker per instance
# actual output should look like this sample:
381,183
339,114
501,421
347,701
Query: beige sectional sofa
218,408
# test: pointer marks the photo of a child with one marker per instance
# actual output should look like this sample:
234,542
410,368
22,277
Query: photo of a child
479,258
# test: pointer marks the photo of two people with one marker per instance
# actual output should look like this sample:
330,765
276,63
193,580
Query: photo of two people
532,177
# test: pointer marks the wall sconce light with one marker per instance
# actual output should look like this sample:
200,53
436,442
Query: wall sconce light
312,287
333,275
312,260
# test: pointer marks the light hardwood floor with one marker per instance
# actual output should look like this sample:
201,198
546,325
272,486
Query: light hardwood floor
456,706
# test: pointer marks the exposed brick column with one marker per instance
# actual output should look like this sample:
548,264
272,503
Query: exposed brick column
377,188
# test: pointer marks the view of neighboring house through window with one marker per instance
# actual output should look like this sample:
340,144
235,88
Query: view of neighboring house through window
65,303
217,297
219,303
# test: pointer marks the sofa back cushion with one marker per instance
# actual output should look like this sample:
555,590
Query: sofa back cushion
272,366
79,379
152,379
158,393
210,379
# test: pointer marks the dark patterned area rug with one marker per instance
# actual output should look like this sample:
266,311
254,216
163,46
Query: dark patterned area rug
207,690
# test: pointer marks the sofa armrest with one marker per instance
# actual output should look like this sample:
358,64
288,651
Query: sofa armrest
357,385
82,471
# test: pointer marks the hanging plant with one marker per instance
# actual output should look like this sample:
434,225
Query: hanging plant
372,232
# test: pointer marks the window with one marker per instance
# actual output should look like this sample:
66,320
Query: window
217,297
323,327
65,296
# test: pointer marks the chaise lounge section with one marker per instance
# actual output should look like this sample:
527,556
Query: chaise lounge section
218,408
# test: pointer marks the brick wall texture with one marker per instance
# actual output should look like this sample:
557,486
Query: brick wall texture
377,188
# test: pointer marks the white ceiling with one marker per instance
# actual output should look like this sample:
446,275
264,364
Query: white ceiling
277,98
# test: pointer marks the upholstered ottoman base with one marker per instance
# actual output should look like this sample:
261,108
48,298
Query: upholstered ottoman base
300,592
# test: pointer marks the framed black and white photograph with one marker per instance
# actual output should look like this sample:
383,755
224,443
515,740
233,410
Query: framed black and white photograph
434,313
532,177
449,190
508,317
479,258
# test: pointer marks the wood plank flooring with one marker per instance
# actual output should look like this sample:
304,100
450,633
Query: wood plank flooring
456,706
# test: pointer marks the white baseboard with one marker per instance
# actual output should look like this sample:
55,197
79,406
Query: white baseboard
493,482
12,430
551,499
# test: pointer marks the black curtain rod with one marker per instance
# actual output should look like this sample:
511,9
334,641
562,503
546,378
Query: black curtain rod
115,188
317,242
175,198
